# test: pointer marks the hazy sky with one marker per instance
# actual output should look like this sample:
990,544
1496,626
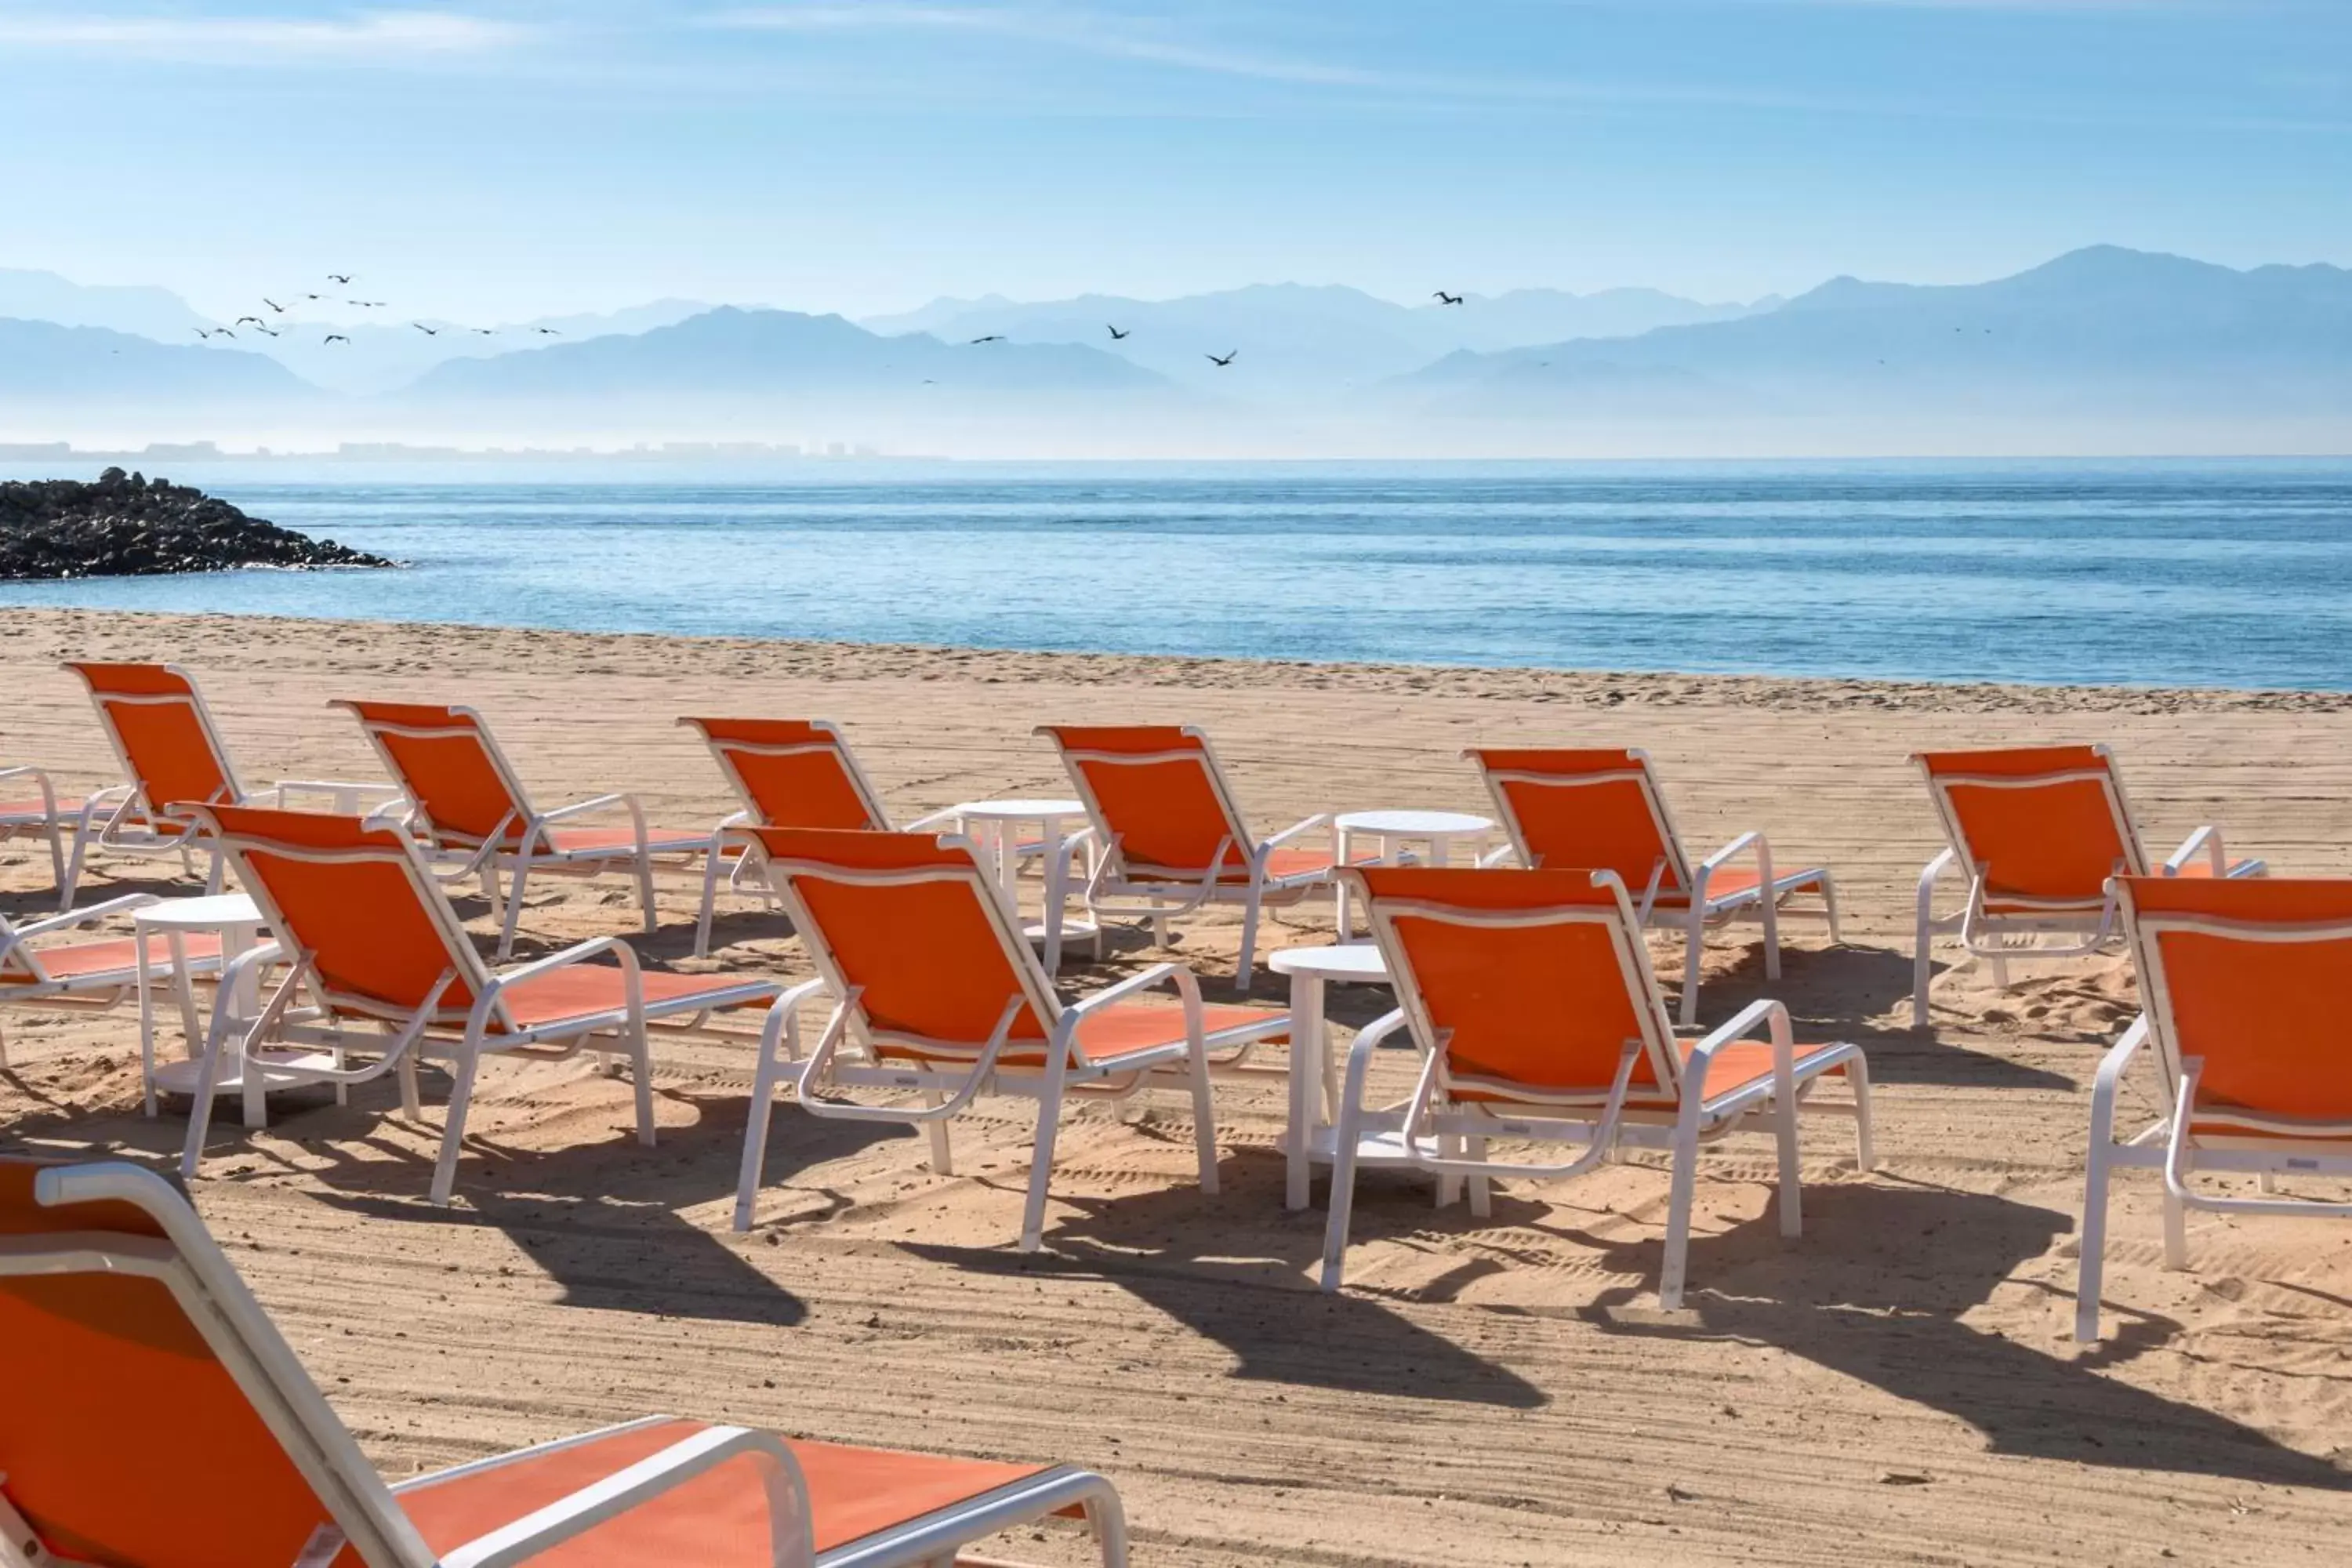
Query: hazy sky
501,160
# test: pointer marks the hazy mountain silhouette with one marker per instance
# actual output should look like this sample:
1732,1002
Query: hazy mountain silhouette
1300,343
386,353
150,312
41,363
2102,331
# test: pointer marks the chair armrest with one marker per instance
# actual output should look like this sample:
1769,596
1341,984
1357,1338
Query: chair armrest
1500,855
1140,981
945,814
600,803
790,1545
578,952
2207,840
1738,846
347,794
1747,843
1304,825
83,915
39,776
1360,1054
1742,1026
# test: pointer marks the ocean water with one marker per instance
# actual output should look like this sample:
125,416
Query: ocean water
2235,573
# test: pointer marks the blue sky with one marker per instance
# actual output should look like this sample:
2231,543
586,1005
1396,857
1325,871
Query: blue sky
500,160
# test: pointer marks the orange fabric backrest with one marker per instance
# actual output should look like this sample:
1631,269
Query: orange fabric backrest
2266,1016
450,772
808,785
1157,798
2058,839
374,941
1584,807
925,953
152,710
1545,1005
128,1442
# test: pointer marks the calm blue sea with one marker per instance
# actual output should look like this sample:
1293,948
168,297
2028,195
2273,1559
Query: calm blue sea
2235,574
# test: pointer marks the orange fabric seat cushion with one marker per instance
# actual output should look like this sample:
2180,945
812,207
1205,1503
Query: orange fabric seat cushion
620,840
1125,1026
583,990
77,960
1726,882
1739,1064
719,1519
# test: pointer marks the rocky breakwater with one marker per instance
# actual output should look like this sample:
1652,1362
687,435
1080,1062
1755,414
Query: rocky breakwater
127,525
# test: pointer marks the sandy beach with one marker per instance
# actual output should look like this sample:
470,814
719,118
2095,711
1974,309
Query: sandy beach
1898,1385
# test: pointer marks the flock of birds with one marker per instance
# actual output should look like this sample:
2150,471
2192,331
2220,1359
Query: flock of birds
1219,360
342,279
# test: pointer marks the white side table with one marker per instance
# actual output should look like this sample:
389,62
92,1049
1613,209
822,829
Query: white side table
238,921
1394,830
994,824
1314,1093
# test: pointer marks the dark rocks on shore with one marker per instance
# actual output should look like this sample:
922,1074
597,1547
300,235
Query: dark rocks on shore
126,525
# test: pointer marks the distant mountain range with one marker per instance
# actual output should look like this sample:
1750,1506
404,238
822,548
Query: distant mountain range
1298,341
2100,350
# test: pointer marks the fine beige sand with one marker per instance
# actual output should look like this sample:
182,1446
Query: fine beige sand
1898,1385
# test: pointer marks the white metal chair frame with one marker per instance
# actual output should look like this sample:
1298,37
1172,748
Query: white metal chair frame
49,823
100,990
1672,872
2270,1146
313,1040
1437,1133
2024,932
1065,1070
724,753
1117,889
456,855
188,1262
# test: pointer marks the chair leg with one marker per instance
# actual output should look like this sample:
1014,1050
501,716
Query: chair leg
755,1127
942,1160
200,1110
1793,1185
412,1103
2000,972
453,1127
57,867
1343,1196
1204,1119
641,1073
2092,1237
1676,1266
645,892
514,905
1694,950
710,902
2176,1232
1922,968
71,882
1245,967
1482,1188
1041,1158
1857,1078
1830,909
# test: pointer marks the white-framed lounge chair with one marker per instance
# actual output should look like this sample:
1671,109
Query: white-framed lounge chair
1169,837
1530,997
2038,831
2245,981
37,813
470,809
170,753
938,991
1602,809
159,1418
789,772
99,973
361,928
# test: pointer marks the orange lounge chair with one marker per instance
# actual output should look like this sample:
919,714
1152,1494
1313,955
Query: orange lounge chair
471,809
939,992
162,1419
788,772
43,815
2245,981
100,974
1531,999
361,926
2038,831
170,754
1602,809
1168,837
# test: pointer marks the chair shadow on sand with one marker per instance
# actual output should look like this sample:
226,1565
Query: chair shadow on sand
1246,1285
1875,1290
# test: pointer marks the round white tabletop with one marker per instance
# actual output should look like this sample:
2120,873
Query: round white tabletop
1411,824
210,912
1019,810
1360,962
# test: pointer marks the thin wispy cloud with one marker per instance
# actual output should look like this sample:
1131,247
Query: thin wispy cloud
1069,28
361,35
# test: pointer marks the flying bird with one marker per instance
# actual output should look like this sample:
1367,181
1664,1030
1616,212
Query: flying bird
255,320
1227,360
314,296
546,332
265,332
200,332
483,332
991,338
222,332
428,331
365,304
1443,297
273,304
1115,334
337,338
339,278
